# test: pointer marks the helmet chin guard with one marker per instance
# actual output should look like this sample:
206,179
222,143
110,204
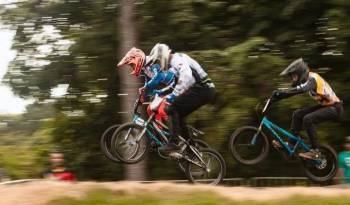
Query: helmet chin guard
299,68
136,58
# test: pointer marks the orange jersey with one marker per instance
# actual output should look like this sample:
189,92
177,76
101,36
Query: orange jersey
323,92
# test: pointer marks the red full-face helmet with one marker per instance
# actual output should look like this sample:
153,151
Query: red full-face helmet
136,58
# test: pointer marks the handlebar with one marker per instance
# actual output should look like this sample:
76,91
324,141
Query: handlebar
154,103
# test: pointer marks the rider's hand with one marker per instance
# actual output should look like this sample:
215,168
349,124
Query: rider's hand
142,94
276,95
170,98
142,90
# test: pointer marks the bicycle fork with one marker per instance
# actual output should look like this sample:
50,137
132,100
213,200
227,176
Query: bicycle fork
257,134
139,136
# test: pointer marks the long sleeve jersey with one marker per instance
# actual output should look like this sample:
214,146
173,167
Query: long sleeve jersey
318,89
154,77
188,72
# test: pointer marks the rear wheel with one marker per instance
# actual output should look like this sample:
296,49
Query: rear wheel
106,142
324,169
125,145
211,172
249,146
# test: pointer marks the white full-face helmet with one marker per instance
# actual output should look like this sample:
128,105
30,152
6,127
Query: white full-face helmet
161,53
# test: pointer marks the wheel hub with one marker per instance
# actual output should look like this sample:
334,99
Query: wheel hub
131,143
322,165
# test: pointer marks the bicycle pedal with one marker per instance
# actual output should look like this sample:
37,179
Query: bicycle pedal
302,155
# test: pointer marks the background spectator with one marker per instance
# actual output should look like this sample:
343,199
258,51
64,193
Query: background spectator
344,162
57,169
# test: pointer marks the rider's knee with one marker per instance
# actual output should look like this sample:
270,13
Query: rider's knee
297,114
307,120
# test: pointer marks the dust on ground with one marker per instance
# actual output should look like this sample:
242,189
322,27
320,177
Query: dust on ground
40,192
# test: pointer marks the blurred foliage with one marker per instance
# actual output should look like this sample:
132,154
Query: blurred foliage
25,142
242,44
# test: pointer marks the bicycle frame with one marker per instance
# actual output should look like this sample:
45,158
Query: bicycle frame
275,129
151,126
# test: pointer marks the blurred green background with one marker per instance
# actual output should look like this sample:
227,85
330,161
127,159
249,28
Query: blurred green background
243,44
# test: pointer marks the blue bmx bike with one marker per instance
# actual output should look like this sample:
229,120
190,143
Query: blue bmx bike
157,141
250,145
131,142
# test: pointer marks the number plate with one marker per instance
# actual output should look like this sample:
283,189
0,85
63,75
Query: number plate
139,121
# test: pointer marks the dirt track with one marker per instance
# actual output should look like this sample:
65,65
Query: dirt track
40,192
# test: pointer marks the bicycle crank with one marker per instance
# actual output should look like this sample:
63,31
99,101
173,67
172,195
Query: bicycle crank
175,155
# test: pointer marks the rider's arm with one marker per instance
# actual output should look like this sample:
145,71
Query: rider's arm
169,87
185,80
155,80
310,84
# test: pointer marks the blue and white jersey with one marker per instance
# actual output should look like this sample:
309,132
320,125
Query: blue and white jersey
154,77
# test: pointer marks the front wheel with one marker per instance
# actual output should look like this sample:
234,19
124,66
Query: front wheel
211,172
106,142
249,146
127,144
322,170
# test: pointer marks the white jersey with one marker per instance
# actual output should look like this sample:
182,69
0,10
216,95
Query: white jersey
187,71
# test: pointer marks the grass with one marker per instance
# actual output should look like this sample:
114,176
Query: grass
107,197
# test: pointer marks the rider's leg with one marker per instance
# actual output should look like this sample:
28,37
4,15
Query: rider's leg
198,96
297,124
297,119
176,121
174,124
318,116
184,130
183,105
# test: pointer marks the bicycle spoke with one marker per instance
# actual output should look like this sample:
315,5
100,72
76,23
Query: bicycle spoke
127,135
213,170
127,148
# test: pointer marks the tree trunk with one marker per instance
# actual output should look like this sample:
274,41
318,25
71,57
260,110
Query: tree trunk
128,39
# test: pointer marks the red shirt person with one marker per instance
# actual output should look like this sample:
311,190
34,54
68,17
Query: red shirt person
57,170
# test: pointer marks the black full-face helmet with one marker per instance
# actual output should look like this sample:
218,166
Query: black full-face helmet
299,68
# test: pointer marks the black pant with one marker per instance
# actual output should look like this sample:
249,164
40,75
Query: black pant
307,117
184,105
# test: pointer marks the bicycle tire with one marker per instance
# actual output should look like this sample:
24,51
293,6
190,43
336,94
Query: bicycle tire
238,156
118,152
329,174
105,146
220,160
